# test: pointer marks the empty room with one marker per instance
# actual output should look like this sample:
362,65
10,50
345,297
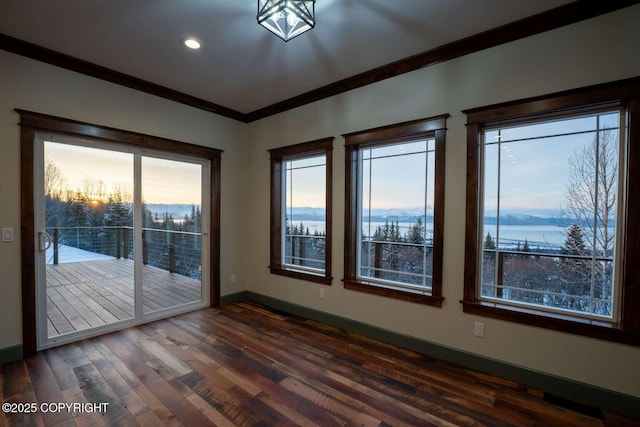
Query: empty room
318,213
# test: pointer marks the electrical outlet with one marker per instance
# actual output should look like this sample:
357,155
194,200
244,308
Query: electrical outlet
233,279
323,295
478,329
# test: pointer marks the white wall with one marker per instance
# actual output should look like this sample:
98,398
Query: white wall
35,86
595,51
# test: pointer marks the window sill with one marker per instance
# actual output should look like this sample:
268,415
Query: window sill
325,280
557,322
401,294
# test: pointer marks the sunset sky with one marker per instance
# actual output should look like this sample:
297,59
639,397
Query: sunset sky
163,181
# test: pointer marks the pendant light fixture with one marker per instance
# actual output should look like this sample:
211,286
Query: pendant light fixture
286,18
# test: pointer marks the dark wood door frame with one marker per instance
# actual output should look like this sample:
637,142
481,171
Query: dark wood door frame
30,123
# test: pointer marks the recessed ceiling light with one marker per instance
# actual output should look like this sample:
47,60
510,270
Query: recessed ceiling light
191,43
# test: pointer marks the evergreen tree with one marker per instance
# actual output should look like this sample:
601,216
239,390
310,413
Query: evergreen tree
197,220
574,242
147,216
489,247
394,232
576,272
119,212
378,235
488,242
524,248
416,232
386,231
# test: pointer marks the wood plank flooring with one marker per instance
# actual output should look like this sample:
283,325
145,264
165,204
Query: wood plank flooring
245,365
83,295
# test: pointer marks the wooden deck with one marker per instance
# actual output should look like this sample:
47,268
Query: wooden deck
245,365
82,295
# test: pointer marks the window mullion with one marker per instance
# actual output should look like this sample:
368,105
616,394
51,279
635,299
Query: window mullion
496,267
424,231
594,244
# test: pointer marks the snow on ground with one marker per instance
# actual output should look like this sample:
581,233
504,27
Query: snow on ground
68,254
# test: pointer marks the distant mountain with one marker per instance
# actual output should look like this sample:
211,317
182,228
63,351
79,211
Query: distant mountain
307,214
528,220
177,211
540,213
552,217
377,215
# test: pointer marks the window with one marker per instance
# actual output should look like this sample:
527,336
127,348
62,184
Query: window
549,185
301,210
549,205
394,210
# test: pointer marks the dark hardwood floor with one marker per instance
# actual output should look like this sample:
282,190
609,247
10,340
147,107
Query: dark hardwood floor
245,365
83,295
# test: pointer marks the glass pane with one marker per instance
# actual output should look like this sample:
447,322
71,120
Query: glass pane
488,273
399,149
398,184
431,145
430,198
305,214
559,282
89,215
549,128
609,121
172,233
306,162
551,203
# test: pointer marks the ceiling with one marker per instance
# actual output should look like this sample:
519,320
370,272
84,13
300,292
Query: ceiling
241,65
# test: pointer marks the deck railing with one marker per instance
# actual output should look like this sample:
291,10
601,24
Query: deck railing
305,250
580,283
174,251
397,262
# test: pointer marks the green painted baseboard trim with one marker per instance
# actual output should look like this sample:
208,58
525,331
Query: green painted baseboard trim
238,296
11,354
573,390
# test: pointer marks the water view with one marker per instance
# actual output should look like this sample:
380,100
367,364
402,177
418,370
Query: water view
542,236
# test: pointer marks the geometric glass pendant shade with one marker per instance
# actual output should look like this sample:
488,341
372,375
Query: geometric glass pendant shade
286,18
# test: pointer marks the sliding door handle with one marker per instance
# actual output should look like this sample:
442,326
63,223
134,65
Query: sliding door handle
44,241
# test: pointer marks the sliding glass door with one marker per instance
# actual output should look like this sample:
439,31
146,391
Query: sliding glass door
172,224
122,236
88,211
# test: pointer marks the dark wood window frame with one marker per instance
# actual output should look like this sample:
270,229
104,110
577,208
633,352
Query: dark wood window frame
30,124
432,127
279,155
623,94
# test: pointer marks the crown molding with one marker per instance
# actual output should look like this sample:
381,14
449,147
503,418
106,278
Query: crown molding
49,56
555,18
